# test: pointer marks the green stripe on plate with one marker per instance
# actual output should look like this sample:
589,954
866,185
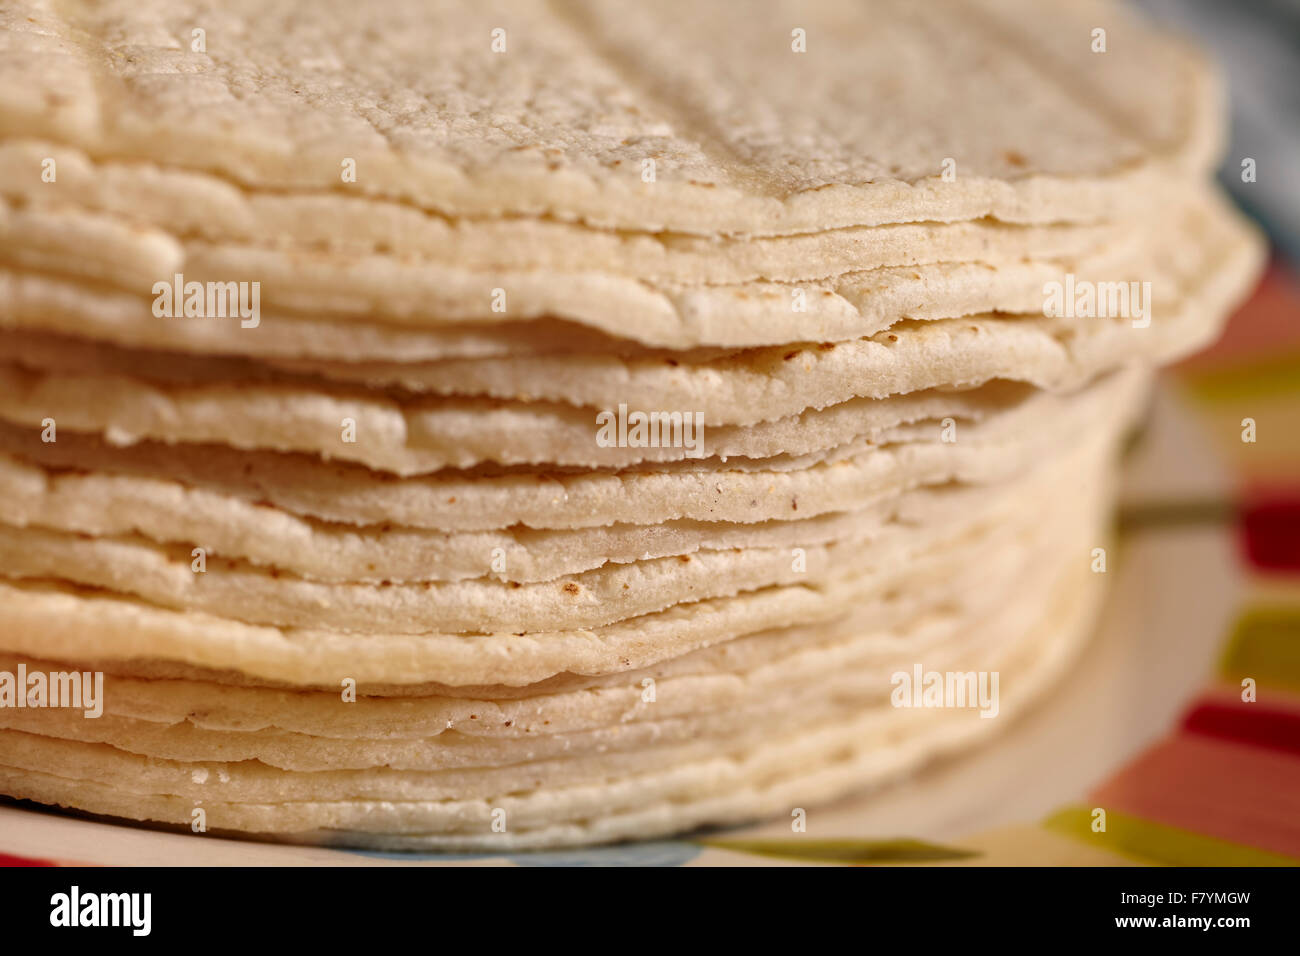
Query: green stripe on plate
845,851
1156,843
1176,514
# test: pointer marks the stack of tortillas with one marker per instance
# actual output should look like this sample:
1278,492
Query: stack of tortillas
506,424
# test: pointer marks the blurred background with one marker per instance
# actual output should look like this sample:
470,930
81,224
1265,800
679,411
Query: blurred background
1258,44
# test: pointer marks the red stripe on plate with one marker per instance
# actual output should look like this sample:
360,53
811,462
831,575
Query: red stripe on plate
1270,532
1219,788
1257,724
9,860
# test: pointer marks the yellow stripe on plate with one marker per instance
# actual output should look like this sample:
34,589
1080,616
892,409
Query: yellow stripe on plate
1276,375
1265,645
1157,843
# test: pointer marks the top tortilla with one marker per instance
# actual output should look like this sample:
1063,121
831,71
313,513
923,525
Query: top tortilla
747,136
